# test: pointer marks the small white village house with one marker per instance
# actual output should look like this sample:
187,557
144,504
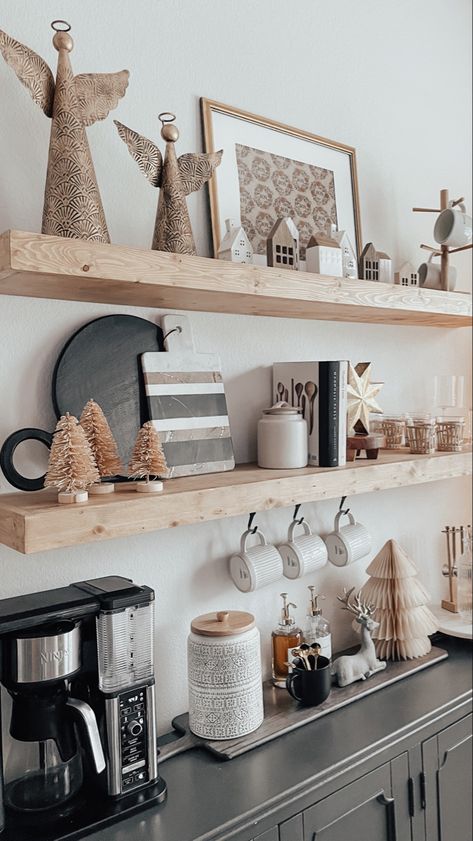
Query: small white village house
349,260
282,246
324,255
235,245
407,275
375,265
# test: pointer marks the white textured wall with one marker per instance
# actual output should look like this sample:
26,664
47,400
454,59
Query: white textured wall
370,74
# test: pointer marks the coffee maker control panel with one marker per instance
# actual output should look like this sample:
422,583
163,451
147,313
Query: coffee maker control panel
134,739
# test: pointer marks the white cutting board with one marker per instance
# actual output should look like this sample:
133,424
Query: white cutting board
186,403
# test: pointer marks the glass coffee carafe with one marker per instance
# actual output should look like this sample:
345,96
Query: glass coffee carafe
44,765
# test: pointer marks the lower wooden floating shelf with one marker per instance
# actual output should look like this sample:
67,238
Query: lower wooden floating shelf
34,522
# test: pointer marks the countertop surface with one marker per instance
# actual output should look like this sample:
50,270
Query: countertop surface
208,799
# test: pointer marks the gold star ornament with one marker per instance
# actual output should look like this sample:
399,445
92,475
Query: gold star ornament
361,398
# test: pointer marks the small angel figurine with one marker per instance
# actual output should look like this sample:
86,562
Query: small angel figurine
72,203
177,177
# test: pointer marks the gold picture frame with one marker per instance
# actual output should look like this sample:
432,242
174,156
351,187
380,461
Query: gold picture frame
212,109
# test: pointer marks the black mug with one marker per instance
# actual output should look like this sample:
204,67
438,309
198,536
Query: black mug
310,687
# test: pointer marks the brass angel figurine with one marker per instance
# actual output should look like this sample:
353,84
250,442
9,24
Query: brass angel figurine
72,203
177,177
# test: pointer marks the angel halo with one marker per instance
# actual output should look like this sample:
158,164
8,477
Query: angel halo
72,203
176,177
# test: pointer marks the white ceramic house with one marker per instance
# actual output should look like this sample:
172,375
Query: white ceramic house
235,245
407,275
375,265
324,255
282,245
349,261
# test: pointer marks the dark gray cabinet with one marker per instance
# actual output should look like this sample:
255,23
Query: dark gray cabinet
447,783
270,835
363,811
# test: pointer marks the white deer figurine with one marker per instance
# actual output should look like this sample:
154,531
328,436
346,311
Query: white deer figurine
364,663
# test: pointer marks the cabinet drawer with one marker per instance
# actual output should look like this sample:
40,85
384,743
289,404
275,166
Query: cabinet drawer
270,835
292,830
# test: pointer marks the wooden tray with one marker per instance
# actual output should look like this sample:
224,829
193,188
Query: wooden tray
283,714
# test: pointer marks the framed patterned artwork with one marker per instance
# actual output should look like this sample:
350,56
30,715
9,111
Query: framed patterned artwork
270,170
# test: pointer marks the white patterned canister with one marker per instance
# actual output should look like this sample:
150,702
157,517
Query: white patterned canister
224,674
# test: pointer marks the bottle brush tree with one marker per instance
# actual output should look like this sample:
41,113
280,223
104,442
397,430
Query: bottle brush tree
148,459
102,443
71,466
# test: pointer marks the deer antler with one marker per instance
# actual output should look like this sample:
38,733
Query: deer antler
345,601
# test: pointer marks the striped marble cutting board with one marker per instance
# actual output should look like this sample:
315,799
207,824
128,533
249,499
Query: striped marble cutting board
187,405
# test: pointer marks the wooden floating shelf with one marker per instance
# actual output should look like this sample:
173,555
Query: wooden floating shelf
39,266
34,522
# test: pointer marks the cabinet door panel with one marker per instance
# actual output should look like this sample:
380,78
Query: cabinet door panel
270,835
455,782
292,829
362,811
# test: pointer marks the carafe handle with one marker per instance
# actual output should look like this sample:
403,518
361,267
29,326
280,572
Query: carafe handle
87,716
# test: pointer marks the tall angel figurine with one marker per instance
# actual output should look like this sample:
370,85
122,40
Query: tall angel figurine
177,177
72,203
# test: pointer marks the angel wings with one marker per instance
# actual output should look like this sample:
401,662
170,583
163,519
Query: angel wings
72,203
177,178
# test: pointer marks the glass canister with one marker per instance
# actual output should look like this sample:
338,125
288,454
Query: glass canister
282,438
224,674
464,585
421,437
450,434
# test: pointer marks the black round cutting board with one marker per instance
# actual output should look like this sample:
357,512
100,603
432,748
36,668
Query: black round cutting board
102,361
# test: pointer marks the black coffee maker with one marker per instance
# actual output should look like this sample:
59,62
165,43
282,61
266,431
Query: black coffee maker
78,665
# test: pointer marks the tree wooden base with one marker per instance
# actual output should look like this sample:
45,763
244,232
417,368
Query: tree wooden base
451,606
72,498
149,487
102,488
369,444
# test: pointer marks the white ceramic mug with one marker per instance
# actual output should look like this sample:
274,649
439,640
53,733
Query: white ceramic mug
254,567
453,227
430,276
303,554
347,544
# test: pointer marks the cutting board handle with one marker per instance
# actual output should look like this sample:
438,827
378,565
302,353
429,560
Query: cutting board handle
177,331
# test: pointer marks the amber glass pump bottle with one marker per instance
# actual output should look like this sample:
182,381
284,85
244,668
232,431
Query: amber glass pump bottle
286,636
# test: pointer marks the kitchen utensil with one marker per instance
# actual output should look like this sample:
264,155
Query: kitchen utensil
310,687
101,361
302,554
286,395
186,403
299,390
255,566
282,438
280,390
292,391
347,544
311,392
303,406
224,673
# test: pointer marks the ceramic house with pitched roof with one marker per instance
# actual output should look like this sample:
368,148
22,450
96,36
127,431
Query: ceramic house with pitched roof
349,260
375,265
282,245
324,255
407,275
235,245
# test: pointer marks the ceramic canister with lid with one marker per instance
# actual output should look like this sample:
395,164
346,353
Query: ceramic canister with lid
282,438
224,674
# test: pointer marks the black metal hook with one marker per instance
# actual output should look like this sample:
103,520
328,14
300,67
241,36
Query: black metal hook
250,523
340,507
294,516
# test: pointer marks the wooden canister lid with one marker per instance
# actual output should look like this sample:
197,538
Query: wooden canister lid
225,623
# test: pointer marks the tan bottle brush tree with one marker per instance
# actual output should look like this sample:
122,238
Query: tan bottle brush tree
71,467
148,460
401,605
103,446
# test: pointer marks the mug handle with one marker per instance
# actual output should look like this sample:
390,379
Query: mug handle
340,514
8,451
293,526
290,680
251,533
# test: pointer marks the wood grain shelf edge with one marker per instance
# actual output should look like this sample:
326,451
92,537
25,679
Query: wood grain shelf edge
67,269
34,522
